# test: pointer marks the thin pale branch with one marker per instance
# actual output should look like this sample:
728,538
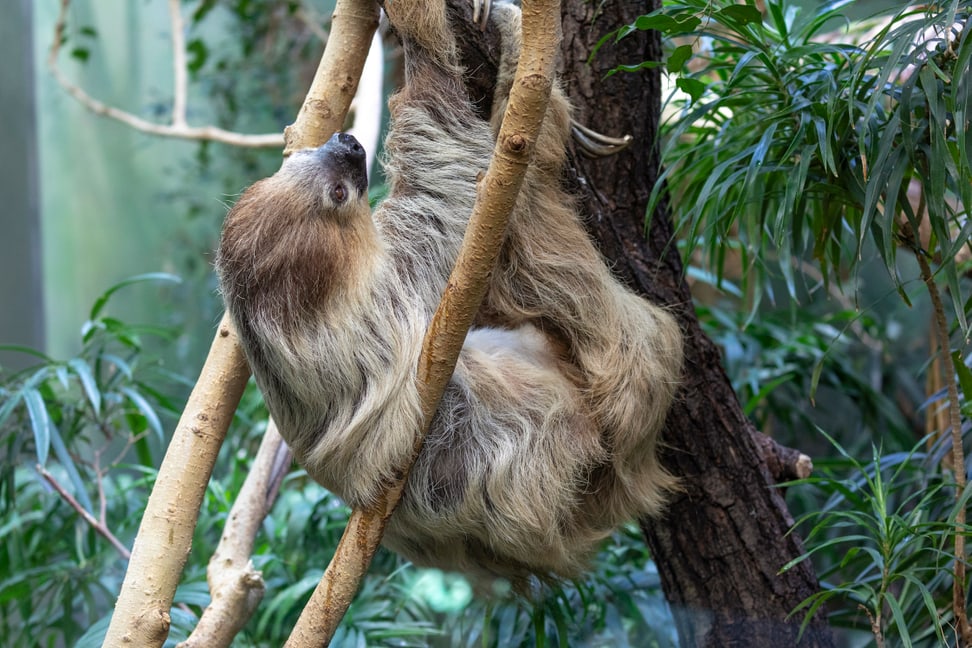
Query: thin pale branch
236,587
179,72
460,301
178,127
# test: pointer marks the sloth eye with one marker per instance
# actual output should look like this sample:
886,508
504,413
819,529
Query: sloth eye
339,193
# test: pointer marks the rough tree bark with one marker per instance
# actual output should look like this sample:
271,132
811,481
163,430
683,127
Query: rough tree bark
724,538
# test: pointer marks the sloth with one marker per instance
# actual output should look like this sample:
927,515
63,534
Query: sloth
545,439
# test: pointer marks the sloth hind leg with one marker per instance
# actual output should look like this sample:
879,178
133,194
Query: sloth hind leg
507,461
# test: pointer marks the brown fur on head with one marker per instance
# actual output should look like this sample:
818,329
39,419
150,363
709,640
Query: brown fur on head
297,240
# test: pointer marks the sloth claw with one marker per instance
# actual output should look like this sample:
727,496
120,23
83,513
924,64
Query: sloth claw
595,144
481,9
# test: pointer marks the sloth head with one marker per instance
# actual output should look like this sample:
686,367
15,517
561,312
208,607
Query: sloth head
295,241
331,179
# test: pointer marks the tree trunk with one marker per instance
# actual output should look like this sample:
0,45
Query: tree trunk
724,538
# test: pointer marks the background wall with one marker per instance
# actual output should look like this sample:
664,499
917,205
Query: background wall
21,306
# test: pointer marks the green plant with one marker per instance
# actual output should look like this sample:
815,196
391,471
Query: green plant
797,146
65,428
883,530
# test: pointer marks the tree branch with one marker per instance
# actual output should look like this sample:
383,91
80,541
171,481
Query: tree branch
460,301
179,76
161,547
335,83
178,128
235,586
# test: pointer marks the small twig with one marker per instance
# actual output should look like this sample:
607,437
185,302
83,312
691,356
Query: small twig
177,128
785,464
94,523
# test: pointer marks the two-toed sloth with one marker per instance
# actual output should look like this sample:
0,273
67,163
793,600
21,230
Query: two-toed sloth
546,436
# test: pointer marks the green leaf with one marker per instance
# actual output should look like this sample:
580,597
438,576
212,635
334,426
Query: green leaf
40,423
27,350
81,53
899,619
147,411
88,383
741,14
100,302
678,57
12,401
198,55
964,375
64,457
692,87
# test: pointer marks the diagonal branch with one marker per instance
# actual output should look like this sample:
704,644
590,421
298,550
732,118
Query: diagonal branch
460,301
161,547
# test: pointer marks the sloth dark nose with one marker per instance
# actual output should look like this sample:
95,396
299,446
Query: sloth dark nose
344,155
346,143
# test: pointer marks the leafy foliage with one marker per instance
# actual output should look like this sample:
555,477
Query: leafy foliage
71,423
799,146
888,522
61,577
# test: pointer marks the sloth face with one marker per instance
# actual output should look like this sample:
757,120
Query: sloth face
299,240
334,174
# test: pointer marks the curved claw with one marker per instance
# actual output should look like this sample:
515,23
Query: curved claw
481,9
595,144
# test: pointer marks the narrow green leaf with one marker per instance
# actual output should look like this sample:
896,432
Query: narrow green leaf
146,409
17,348
88,383
964,375
8,406
40,423
65,459
100,302
899,619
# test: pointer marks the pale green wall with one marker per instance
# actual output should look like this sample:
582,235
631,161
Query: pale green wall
109,194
